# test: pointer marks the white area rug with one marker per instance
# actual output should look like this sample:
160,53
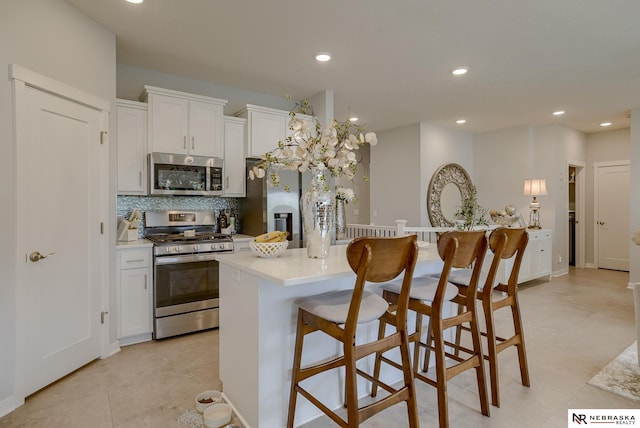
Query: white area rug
622,375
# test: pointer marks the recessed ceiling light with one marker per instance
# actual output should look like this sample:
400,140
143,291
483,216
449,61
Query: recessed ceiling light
135,1
323,56
606,124
459,71
461,121
558,113
353,119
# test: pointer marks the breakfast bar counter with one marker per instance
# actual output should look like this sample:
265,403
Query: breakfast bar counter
257,329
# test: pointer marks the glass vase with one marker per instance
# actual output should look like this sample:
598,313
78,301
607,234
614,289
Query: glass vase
341,220
318,216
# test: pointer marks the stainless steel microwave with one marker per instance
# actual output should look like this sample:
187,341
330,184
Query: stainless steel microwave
173,174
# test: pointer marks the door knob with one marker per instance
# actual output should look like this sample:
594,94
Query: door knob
601,223
36,256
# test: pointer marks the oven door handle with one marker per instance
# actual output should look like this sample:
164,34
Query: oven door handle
185,258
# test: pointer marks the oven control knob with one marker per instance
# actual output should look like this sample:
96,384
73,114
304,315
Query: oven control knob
214,246
196,248
177,249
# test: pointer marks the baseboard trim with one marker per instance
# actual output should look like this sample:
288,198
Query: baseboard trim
114,348
138,338
632,285
560,272
590,266
7,406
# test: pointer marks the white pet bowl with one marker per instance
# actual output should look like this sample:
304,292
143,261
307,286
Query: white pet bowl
268,250
206,399
217,415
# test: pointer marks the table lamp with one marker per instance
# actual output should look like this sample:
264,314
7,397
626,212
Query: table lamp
535,187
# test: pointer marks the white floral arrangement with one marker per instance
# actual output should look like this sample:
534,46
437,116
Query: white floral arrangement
311,148
346,194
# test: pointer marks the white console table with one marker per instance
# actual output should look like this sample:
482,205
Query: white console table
536,262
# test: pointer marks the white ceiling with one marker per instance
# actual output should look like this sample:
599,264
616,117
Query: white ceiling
392,58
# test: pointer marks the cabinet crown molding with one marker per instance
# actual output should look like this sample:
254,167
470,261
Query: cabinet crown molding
233,119
177,94
252,107
131,104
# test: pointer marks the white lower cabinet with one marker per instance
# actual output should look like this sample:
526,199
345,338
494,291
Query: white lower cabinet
537,257
536,262
134,282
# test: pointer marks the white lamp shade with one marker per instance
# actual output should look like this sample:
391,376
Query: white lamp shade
535,187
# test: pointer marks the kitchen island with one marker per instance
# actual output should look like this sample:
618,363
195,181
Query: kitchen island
257,330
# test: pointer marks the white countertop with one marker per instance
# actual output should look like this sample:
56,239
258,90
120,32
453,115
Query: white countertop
140,243
238,237
294,267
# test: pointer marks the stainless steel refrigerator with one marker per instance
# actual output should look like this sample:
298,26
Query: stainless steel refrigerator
267,208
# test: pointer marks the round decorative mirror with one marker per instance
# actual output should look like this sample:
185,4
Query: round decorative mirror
449,185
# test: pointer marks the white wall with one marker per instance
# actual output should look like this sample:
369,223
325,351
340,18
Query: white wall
440,146
555,145
395,176
52,38
504,158
402,165
602,147
501,163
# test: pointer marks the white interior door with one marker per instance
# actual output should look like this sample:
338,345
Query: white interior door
612,216
59,212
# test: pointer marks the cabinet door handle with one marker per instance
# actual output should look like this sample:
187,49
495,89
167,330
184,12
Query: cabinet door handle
135,261
227,185
184,142
145,281
140,177
193,143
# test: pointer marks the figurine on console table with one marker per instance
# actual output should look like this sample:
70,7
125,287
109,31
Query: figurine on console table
507,218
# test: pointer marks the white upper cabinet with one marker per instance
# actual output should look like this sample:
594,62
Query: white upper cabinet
132,147
265,127
234,157
185,123
206,129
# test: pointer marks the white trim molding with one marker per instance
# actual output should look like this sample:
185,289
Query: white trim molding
7,406
47,84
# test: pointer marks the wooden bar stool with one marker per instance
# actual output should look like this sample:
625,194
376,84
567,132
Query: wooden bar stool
428,297
505,243
338,314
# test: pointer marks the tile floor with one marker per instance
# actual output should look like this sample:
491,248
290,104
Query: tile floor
574,326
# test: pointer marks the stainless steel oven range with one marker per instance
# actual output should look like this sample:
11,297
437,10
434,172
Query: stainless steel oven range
185,277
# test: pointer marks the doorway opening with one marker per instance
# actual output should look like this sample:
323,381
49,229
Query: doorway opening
576,212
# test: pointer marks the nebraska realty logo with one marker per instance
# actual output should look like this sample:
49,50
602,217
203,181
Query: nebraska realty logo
581,417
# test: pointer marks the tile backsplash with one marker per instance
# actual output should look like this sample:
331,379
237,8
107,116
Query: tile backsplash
126,204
